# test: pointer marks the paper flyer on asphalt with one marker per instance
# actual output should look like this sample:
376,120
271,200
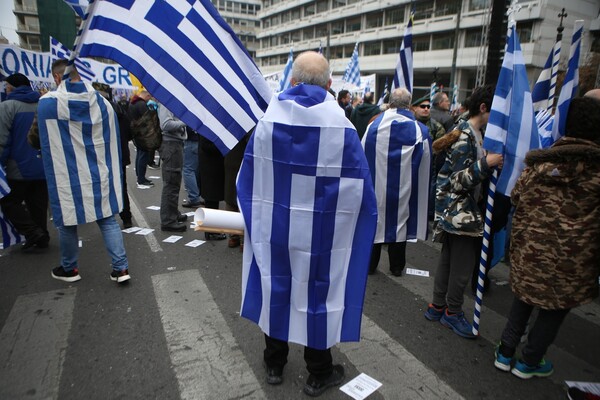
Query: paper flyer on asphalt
361,387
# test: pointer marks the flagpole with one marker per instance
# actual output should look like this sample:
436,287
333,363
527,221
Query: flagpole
555,61
84,23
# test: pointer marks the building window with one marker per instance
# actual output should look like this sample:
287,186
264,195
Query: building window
236,7
394,16
338,3
420,43
374,20
353,24
423,10
283,59
525,32
372,48
473,37
442,41
321,30
348,49
479,4
391,46
285,17
284,39
322,6
296,36
274,41
337,27
447,7
296,14
308,33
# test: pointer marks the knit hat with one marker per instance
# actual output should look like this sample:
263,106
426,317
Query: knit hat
17,80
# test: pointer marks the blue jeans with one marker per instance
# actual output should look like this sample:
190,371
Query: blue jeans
113,241
191,173
141,163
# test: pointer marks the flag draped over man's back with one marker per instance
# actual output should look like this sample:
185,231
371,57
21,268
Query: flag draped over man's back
403,75
307,199
511,129
187,57
398,151
10,235
352,74
286,79
60,51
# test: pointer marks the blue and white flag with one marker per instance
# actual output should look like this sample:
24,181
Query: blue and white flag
398,150
403,75
79,6
187,57
433,89
60,51
81,151
286,79
511,129
320,51
385,92
570,84
543,90
454,102
305,192
544,121
352,74
10,236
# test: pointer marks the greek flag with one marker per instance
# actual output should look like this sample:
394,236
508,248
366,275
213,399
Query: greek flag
187,56
432,91
352,74
60,51
511,128
544,121
403,75
543,90
570,84
79,6
398,150
386,90
286,79
454,103
81,151
307,199
10,236
320,51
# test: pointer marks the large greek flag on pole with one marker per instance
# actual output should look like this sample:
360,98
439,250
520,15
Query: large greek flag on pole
81,152
286,79
10,235
352,74
307,199
60,51
403,75
398,150
186,56
543,90
511,129
570,84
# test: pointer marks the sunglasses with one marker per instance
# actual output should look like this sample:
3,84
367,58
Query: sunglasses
425,105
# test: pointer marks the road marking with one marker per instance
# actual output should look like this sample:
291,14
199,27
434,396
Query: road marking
384,359
207,360
33,343
139,217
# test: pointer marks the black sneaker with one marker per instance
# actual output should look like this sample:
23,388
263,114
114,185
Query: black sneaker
62,275
153,165
148,182
127,223
182,218
274,375
214,236
120,276
315,387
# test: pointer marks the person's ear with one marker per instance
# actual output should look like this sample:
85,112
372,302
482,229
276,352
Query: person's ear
328,84
293,82
483,108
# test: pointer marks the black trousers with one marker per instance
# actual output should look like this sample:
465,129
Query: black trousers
541,336
126,213
396,253
33,220
318,362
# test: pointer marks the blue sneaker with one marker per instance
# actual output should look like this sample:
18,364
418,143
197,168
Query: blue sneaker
524,371
501,362
433,313
458,323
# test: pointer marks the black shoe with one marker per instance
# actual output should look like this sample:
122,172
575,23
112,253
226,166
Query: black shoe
62,275
120,276
315,387
372,271
214,236
274,376
396,272
187,204
127,223
153,165
38,241
182,218
174,227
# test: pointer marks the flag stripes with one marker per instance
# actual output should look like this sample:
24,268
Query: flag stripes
543,90
10,236
187,57
60,51
403,75
286,79
79,6
352,74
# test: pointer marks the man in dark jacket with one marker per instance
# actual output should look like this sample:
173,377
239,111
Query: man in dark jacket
441,110
137,108
23,164
363,113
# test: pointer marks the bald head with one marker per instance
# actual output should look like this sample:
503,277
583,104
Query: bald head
594,93
400,98
311,68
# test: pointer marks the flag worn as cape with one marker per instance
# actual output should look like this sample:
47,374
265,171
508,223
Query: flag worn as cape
398,150
10,236
307,199
81,154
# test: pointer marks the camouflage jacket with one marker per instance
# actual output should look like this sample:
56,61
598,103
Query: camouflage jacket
456,205
555,238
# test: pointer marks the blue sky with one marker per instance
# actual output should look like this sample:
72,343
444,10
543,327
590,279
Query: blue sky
8,22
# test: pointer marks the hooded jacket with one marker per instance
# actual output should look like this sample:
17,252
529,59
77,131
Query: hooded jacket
21,161
361,116
555,237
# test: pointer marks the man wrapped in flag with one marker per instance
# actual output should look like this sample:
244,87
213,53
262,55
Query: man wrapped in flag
307,199
398,150
81,151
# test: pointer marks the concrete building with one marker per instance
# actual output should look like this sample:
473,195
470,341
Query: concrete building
438,26
242,17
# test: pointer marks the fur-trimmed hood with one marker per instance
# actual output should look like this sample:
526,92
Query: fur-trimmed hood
566,149
446,141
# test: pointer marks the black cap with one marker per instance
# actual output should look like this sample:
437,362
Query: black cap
17,80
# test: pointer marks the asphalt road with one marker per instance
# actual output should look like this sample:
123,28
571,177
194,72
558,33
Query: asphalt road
174,332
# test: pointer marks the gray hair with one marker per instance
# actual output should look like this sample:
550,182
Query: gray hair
311,68
400,98
437,98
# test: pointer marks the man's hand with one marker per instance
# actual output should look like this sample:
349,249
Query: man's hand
494,160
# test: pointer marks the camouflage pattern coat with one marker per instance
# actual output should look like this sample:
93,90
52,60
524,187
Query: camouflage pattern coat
456,205
555,238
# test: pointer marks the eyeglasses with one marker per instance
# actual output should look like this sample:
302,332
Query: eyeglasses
425,105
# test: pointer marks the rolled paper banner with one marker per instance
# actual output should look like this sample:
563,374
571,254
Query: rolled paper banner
219,221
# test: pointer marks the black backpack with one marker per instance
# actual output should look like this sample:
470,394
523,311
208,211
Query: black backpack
145,131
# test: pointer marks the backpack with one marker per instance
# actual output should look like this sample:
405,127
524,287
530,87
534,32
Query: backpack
145,131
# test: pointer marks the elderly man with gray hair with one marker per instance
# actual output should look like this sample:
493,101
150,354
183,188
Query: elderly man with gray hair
398,150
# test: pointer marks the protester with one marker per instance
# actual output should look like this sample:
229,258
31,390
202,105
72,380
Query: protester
23,165
441,110
555,239
363,113
345,101
299,284
171,155
78,127
212,176
191,170
398,150
458,222
137,108
232,163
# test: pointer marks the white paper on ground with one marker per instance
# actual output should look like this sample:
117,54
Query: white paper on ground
154,177
588,387
361,387
144,231
418,272
190,213
81,243
153,208
132,229
195,243
172,239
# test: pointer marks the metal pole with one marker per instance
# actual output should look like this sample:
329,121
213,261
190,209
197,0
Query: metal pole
455,50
